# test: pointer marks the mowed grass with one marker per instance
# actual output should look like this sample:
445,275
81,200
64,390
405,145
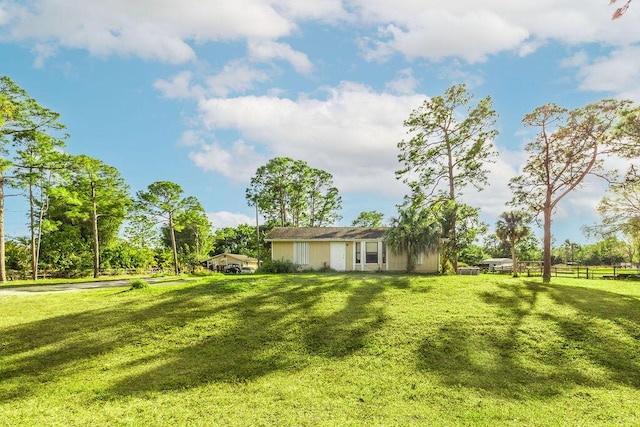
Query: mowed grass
333,350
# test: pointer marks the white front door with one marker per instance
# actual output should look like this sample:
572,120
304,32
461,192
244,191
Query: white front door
338,256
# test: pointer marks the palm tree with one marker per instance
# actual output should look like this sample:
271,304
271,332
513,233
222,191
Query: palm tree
511,229
415,231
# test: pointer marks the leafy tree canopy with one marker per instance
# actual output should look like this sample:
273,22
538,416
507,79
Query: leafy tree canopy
292,193
450,147
368,219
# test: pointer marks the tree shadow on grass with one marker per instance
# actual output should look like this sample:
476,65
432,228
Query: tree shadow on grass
581,337
195,335
275,330
344,331
55,347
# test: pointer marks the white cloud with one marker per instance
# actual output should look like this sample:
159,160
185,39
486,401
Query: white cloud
191,138
169,31
265,50
617,73
42,53
437,34
235,77
179,87
145,28
529,46
375,50
456,71
352,134
404,84
238,163
493,199
4,16
313,9
578,59
472,30
224,219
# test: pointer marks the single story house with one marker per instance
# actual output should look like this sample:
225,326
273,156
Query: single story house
343,249
221,261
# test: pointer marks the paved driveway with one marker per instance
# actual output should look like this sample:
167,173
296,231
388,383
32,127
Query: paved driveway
75,287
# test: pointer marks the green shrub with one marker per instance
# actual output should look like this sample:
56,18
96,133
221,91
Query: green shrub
139,284
278,266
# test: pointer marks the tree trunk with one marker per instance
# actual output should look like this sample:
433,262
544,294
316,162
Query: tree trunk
32,229
546,262
3,271
454,241
453,235
257,236
410,260
44,205
173,245
514,267
96,241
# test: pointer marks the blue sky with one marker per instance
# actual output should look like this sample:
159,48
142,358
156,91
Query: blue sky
203,92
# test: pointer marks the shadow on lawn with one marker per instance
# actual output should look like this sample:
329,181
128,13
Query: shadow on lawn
586,337
229,338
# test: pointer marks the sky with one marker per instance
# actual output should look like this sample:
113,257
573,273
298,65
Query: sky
203,92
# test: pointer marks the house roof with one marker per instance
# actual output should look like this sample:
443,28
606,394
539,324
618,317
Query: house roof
496,260
239,257
326,233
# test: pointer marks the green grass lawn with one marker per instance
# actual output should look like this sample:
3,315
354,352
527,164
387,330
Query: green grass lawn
325,350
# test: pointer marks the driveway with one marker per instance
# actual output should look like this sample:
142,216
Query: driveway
85,286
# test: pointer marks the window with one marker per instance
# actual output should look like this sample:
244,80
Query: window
372,252
420,258
301,253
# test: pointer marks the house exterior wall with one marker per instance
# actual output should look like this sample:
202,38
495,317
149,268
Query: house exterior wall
429,264
282,251
397,262
320,257
234,260
319,254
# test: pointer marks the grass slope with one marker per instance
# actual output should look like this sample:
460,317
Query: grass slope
325,350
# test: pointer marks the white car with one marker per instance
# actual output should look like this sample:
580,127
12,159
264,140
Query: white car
247,270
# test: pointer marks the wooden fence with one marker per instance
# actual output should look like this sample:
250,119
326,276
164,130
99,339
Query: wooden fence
578,272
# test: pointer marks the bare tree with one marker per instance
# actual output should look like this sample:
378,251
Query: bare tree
570,145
